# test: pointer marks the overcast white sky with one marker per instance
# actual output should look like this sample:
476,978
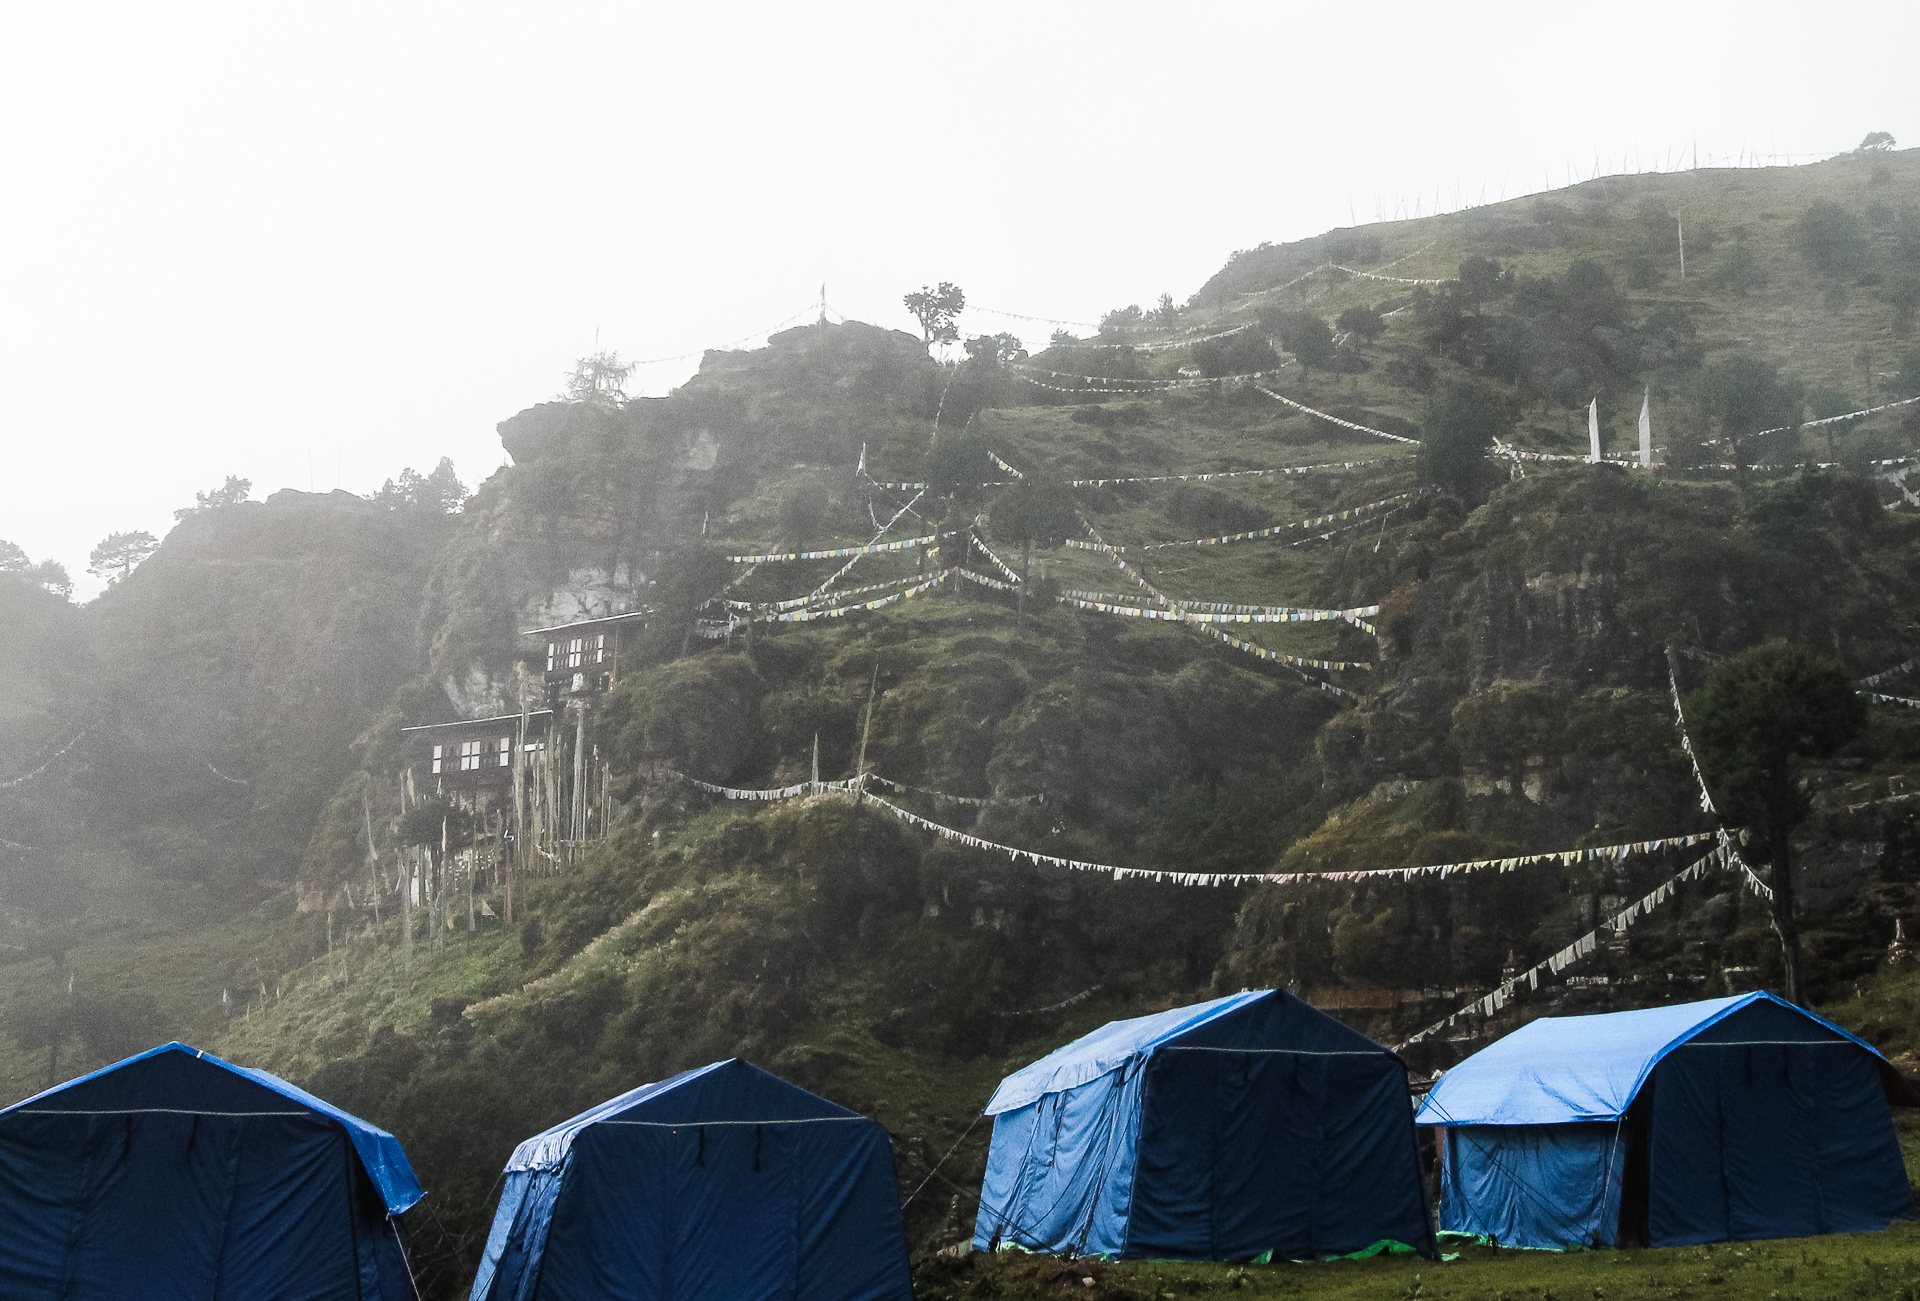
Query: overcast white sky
314,243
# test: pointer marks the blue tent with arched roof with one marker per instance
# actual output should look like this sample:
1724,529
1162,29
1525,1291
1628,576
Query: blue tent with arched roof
1222,1131
722,1182
1717,1121
176,1174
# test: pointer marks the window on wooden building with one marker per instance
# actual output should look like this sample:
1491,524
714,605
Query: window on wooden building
439,753
505,751
469,755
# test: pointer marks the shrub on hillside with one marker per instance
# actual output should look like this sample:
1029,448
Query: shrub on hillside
1237,354
1832,239
700,716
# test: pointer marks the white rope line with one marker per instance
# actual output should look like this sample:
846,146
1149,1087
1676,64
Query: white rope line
1345,424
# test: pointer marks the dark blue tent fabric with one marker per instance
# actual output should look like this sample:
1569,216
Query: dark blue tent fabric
1757,1120
721,1182
1222,1131
175,1174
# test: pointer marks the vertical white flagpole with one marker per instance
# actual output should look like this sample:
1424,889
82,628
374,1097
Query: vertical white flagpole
1593,431
1646,428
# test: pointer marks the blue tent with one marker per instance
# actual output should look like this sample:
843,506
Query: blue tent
722,1182
1221,1131
1719,1121
175,1174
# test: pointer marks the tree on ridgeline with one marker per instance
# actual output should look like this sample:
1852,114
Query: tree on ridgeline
120,553
440,492
231,493
48,574
1760,716
599,380
938,311
1878,142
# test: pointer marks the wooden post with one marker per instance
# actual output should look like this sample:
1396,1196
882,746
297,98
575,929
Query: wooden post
578,819
406,906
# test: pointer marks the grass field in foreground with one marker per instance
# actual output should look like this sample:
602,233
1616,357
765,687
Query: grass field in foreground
1877,1265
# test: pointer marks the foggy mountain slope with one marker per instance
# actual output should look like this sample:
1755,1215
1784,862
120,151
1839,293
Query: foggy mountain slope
1517,699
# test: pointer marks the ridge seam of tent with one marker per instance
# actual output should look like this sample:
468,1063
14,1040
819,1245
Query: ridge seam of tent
1287,1052
695,1124
153,1111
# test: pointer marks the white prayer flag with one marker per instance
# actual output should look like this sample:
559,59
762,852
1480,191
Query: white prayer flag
1593,431
1646,429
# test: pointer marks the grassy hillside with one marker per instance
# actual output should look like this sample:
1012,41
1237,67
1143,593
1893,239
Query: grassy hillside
196,867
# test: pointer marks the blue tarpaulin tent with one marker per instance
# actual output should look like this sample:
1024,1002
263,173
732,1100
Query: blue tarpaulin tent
1222,1131
722,1182
1719,1121
175,1174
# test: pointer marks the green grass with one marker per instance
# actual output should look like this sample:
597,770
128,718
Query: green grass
1882,1265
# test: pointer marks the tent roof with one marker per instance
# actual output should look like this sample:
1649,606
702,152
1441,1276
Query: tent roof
176,1077
727,1091
1111,1046
1572,1068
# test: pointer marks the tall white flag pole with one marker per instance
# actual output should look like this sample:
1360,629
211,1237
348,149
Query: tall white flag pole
1593,431
1646,428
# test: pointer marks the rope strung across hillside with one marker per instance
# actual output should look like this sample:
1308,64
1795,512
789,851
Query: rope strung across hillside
1399,280
45,764
1580,948
1218,474
1511,863
1293,662
799,601
1161,345
1188,616
1027,373
880,532
839,552
1080,997
1894,672
971,800
1352,512
1344,424
808,616
1296,614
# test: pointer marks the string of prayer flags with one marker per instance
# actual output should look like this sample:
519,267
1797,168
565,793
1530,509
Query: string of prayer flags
780,793
1563,857
1301,613
1292,661
807,616
984,581
797,602
1185,613
998,563
1351,512
1496,999
1345,424
872,548
1003,465
971,800
1220,474
1727,848
1398,280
